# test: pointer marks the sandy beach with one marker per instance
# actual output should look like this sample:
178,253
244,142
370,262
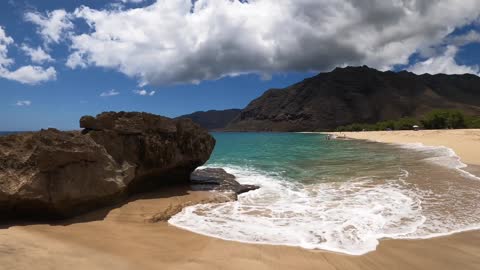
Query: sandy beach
465,142
135,235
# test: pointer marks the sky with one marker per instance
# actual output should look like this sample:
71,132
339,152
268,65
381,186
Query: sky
60,60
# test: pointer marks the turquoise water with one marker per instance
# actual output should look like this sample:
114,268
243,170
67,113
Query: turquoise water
307,157
338,195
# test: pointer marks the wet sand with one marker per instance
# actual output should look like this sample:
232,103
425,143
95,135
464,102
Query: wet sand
465,142
136,236
126,239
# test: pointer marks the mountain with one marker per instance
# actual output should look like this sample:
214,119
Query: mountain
357,95
213,120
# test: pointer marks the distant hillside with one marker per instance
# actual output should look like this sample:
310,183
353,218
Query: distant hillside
357,95
213,120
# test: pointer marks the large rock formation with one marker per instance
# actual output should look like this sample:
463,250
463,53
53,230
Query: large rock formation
60,174
357,95
213,119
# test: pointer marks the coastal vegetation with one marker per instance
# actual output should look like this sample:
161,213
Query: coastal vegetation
435,119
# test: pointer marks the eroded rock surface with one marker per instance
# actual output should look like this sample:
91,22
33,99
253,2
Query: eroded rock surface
219,180
52,173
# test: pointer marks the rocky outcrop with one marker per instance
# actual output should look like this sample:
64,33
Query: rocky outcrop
213,119
219,180
357,95
60,174
163,150
209,179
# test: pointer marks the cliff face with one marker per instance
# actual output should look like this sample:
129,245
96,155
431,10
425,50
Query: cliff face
213,119
59,174
357,95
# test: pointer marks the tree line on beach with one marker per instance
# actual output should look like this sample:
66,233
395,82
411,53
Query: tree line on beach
435,119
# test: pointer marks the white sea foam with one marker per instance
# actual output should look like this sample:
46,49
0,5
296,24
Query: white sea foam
442,156
347,217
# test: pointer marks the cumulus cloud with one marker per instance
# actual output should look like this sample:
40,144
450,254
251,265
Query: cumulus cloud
25,74
30,74
5,41
22,103
37,55
52,25
75,60
188,41
444,63
143,92
110,93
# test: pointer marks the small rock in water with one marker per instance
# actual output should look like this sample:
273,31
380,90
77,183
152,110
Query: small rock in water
219,180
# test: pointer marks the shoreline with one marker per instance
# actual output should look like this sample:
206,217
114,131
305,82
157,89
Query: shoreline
124,240
462,141
136,235
465,143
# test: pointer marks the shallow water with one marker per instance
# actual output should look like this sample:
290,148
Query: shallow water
342,196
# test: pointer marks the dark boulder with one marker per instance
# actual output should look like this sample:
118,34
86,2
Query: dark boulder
56,174
219,180
162,149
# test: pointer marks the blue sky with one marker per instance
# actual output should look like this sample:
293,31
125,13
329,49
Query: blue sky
215,54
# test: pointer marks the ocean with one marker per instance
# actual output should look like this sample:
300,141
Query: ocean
336,195
4,133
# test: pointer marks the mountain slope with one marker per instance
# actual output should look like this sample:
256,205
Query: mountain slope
213,119
357,95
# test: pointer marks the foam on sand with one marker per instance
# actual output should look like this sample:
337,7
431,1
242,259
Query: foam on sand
442,156
348,217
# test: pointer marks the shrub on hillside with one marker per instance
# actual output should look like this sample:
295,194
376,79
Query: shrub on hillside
436,119
441,119
406,123
472,121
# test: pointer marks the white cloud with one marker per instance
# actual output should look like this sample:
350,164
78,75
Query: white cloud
51,26
110,93
175,42
444,63
144,92
37,55
30,74
5,41
22,103
24,74
76,60
467,38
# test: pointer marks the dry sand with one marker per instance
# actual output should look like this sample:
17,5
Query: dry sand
465,142
125,238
